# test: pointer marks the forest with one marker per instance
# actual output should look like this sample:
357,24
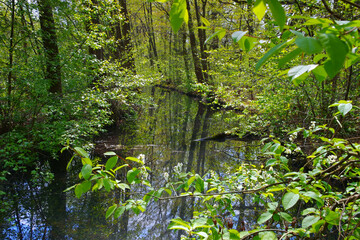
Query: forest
257,100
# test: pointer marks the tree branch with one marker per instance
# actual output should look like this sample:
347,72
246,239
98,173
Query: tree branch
218,194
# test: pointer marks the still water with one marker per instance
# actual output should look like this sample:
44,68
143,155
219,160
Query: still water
163,130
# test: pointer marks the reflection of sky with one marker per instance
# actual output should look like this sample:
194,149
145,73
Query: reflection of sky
160,138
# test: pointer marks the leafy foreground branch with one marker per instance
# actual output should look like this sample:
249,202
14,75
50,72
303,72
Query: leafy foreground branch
319,201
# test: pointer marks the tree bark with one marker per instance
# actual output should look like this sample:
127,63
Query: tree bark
123,37
50,45
194,51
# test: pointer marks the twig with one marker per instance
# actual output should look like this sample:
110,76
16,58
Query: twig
218,194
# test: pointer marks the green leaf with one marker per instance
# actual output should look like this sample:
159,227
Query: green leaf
111,162
290,56
148,196
205,21
247,43
316,226
119,211
131,175
135,160
337,51
200,223
82,188
298,34
110,154
110,211
320,73
178,14
86,171
81,152
289,200
220,34
277,12
107,184
309,221
86,161
344,108
78,191
333,218
271,52
286,216
69,188
234,234
309,45
315,196
268,235
202,234
189,182
236,36
316,21
199,184
69,163
120,167
178,223
259,9
264,217
297,71
309,210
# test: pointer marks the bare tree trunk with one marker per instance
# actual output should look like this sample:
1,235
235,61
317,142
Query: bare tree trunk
194,51
202,39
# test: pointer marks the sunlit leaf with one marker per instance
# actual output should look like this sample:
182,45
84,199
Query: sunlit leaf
286,216
278,12
333,218
337,50
86,171
289,200
290,56
297,71
110,154
309,221
259,9
236,36
264,217
178,14
309,45
110,211
131,175
268,235
119,211
81,152
271,52
344,108
111,162
205,21
220,34
135,160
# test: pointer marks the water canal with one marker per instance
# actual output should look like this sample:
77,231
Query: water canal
163,130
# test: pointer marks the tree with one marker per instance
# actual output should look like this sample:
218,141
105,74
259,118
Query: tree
51,49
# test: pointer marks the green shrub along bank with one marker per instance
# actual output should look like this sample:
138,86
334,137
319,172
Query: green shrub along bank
319,201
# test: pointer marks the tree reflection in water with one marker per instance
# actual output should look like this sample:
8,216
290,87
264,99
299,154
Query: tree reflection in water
163,131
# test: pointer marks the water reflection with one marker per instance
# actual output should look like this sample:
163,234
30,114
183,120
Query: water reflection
163,131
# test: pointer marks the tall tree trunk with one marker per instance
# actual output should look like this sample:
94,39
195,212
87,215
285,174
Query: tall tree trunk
50,45
123,37
194,51
202,39
151,35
